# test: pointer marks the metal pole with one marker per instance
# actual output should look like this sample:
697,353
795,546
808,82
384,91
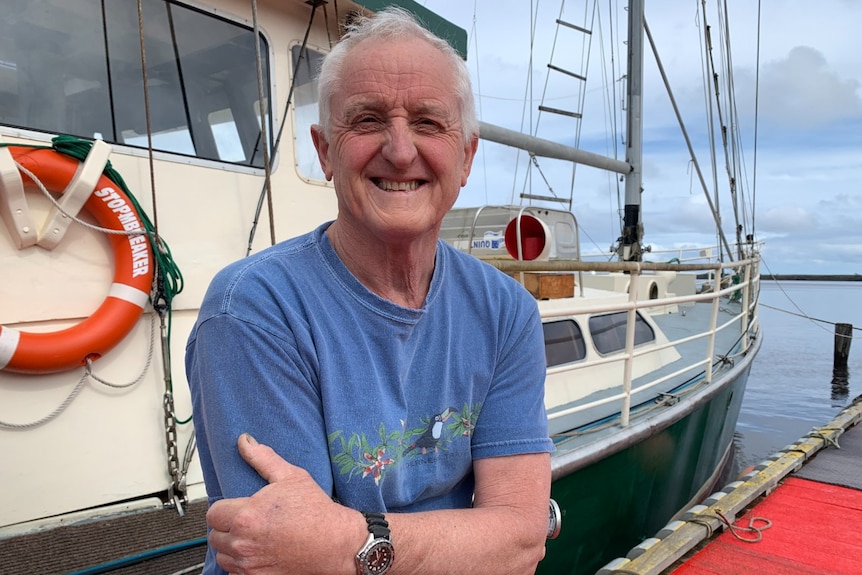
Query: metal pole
549,149
631,322
630,248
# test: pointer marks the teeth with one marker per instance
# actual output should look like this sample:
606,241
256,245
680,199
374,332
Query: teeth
397,186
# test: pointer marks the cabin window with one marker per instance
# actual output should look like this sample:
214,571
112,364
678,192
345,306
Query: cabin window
609,331
564,342
74,67
306,64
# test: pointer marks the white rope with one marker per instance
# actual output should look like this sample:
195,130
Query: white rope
74,218
80,385
60,409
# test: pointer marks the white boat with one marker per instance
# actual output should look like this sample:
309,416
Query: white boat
647,360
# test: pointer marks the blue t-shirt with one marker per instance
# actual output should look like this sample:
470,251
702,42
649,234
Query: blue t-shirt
385,406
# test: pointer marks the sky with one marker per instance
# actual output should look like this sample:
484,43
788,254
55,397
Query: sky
800,102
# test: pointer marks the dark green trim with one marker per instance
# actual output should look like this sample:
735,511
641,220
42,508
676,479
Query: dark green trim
456,36
617,502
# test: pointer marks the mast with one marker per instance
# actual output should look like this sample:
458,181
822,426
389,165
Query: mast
630,248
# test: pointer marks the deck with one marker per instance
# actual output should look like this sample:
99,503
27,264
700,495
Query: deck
138,543
797,513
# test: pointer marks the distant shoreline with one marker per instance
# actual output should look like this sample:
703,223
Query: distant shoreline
812,277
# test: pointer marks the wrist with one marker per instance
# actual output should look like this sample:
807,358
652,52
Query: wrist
348,534
377,554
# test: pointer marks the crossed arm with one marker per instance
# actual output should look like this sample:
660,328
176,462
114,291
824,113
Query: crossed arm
292,527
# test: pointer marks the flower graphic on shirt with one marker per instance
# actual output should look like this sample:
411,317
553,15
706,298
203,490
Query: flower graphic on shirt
376,464
465,422
357,456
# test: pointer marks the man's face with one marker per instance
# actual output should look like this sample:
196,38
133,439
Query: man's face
396,150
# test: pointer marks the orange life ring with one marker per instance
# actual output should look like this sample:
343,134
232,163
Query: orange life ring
29,352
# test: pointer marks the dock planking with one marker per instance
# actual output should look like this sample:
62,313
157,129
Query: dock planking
806,502
816,528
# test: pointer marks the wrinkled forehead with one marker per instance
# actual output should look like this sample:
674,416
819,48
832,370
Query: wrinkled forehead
405,72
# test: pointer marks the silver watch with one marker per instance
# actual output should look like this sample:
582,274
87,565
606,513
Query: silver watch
376,556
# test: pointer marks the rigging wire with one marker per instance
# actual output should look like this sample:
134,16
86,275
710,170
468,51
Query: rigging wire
527,108
660,65
474,32
756,121
326,25
727,112
708,71
161,302
586,57
147,118
277,141
729,128
801,313
610,81
263,119
737,168
534,129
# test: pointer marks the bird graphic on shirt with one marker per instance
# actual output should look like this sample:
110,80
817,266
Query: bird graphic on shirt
431,436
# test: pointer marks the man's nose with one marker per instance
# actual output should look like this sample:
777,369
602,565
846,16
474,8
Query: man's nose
400,147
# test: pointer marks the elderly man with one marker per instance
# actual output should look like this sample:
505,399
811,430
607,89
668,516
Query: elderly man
399,382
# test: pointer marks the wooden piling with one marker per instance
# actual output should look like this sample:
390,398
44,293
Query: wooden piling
843,338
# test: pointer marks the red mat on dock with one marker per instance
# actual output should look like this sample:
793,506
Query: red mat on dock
816,530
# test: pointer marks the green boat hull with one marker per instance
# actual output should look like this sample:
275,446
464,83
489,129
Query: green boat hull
614,503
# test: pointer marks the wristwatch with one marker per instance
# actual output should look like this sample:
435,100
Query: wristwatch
376,556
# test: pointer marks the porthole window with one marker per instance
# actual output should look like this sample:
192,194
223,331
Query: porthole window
608,331
564,342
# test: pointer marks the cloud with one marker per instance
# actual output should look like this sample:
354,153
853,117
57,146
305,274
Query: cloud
783,219
807,190
802,91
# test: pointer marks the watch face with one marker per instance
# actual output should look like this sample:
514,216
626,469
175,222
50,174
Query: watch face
378,559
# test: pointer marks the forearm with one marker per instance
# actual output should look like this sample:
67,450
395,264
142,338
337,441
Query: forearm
504,533
292,526
492,540
467,541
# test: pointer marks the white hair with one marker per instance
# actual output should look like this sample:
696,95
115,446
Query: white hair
392,24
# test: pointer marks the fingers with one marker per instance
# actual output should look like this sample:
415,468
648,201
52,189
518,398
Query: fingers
263,459
220,540
221,513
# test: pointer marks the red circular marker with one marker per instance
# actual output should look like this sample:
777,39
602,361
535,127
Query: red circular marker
533,237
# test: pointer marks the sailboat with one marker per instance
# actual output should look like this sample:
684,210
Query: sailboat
135,164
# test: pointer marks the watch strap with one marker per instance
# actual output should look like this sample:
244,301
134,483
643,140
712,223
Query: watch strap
377,525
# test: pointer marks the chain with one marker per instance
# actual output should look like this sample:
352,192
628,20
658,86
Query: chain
177,490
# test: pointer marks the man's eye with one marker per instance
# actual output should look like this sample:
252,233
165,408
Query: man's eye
428,124
366,123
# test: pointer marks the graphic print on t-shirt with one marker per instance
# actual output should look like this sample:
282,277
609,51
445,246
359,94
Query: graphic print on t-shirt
357,456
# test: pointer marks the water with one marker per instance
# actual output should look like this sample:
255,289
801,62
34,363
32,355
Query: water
790,389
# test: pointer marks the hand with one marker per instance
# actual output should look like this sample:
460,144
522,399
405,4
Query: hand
289,526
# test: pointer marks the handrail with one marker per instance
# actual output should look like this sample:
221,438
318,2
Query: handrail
747,319
609,399
703,260
573,266
644,303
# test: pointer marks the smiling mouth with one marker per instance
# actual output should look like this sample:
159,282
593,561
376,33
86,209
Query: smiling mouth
390,186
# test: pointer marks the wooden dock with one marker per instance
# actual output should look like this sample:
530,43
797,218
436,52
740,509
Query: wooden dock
797,513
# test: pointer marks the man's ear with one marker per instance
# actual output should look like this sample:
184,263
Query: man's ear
321,144
470,147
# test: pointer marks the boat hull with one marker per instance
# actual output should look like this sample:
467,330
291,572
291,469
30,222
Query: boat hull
611,503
